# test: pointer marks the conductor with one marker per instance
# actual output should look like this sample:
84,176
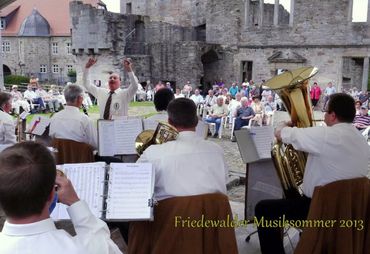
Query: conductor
113,101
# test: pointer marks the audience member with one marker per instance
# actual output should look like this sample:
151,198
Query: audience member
7,125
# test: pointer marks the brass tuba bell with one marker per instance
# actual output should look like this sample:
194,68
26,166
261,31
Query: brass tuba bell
293,89
163,133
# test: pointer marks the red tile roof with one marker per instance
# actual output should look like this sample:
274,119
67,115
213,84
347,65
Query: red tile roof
56,12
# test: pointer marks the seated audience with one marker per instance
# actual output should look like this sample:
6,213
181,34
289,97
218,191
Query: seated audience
28,185
259,110
217,111
179,94
233,90
18,101
196,97
55,94
7,123
72,124
33,97
362,121
243,115
50,100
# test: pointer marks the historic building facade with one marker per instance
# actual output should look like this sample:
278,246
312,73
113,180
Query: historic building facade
204,41
36,39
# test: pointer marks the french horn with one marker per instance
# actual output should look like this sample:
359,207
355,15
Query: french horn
293,89
162,134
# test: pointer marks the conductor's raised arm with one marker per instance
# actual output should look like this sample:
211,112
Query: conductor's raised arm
85,77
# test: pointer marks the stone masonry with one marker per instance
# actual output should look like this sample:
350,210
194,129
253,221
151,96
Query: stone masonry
204,41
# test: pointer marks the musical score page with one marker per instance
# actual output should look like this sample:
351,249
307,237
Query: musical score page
106,139
88,180
131,186
150,124
125,132
38,125
263,137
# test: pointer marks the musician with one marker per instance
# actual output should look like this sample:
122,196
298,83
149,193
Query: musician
161,100
113,102
335,152
72,124
189,165
28,181
7,126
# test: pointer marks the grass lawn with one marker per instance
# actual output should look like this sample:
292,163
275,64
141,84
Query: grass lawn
95,109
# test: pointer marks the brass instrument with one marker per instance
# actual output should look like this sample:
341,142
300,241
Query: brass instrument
293,89
163,133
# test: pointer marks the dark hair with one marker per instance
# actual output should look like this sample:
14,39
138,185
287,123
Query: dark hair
4,98
182,112
343,105
162,98
27,177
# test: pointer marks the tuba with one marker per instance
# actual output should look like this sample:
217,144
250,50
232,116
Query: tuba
162,134
293,89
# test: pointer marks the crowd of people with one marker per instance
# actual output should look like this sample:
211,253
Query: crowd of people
187,166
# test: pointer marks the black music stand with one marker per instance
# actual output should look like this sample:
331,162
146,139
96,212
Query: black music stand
261,180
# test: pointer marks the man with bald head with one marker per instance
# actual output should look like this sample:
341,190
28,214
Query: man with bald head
113,101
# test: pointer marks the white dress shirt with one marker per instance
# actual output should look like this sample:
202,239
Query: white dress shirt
43,237
197,99
187,166
7,129
30,95
72,124
334,153
120,99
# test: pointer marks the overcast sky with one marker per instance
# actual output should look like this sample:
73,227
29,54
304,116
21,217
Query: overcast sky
112,5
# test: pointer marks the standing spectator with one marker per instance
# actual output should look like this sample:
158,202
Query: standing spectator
315,94
7,127
329,90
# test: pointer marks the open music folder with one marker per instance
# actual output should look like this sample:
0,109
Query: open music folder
117,137
255,143
117,192
38,125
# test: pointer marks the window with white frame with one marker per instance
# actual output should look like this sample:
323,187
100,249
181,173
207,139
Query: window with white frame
69,48
69,68
2,23
360,10
54,48
43,68
6,46
55,68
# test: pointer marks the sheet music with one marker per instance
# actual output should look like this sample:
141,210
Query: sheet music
131,185
150,124
125,132
38,125
88,181
201,129
106,139
263,136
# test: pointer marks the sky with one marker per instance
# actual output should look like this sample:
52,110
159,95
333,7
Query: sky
112,5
